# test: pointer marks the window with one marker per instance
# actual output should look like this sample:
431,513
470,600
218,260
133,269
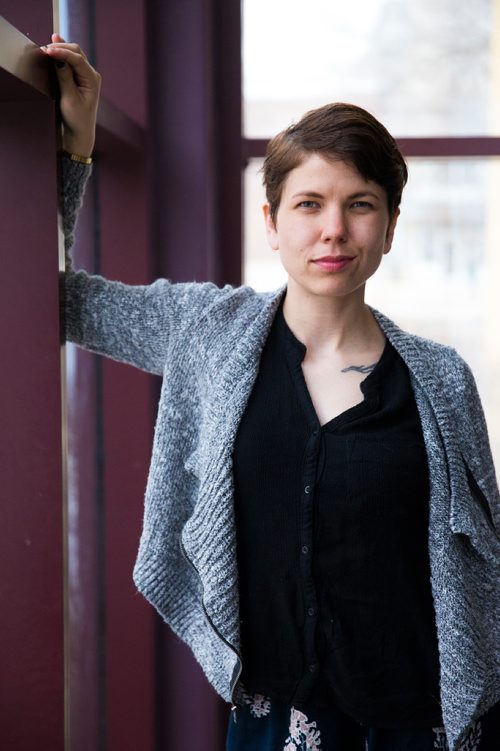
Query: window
428,72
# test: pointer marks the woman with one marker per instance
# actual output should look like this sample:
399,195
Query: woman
321,505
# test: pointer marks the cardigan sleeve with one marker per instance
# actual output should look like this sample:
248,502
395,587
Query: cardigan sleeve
73,180
129,323
476,447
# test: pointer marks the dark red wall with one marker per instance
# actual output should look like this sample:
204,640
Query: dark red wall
31,467
166,201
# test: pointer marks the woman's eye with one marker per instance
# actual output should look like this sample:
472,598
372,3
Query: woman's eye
308,204
362,205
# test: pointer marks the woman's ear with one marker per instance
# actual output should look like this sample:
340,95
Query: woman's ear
390,231
271,231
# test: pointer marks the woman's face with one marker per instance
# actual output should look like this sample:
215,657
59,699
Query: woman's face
332,228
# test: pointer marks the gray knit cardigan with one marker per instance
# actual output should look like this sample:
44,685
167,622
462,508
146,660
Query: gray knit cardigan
206,343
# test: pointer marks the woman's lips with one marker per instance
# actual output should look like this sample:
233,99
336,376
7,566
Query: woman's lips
333,263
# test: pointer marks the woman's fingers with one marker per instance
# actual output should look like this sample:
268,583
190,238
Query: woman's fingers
65,45
71,54
77,61
84,76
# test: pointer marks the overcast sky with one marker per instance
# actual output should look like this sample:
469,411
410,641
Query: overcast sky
293,47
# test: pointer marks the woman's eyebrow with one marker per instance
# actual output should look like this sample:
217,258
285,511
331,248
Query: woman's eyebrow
351,197
363,194
309,193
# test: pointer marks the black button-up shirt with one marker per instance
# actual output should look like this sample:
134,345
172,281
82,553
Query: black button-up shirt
332,520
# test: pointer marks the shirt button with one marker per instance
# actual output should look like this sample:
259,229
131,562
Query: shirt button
312,668
305,549
307,489
310,611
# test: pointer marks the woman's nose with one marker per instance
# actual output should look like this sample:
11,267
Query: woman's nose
334,227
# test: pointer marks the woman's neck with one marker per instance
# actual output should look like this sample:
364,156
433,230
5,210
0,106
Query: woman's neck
333,324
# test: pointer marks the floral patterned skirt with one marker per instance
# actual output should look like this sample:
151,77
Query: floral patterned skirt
261,725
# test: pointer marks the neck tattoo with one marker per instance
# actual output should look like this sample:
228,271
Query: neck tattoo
365,369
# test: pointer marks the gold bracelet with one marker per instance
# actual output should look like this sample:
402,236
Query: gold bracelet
78,158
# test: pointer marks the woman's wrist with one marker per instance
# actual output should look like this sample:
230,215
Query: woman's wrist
81,146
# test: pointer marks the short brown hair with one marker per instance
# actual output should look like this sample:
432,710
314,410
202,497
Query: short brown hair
336,131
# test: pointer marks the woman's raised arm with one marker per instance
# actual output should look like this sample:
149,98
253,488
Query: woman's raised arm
133,324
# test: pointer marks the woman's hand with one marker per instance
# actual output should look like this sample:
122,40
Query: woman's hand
80,85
